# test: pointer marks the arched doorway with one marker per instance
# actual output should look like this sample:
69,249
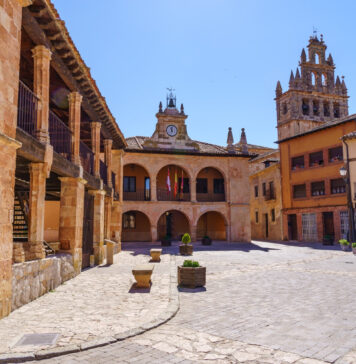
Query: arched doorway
173,184
210,185
135,226
212,224
136,184
174,224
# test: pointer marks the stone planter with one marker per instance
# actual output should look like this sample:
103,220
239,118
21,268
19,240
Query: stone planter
166,242
185,249
345,248
354,250
191,277
206,241
156,255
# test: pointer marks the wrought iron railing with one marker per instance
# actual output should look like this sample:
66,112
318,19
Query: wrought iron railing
60,135
27,109
104,172
86,158
138,195
210,197
164,195
270,195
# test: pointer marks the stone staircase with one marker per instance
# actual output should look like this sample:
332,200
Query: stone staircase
20,223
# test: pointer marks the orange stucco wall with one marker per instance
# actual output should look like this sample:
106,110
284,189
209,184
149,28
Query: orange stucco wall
141,232
51,222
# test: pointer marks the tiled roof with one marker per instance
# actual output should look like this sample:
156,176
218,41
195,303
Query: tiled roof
264,155
351,135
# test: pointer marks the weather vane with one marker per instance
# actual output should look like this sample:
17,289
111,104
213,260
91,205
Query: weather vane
315,32
170,89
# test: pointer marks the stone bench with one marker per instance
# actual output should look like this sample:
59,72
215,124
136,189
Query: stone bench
142,274
156,255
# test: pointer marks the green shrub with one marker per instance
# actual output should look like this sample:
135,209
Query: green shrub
344,242
191,264
353,245
186,239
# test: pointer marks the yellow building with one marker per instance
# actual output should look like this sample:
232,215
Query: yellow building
173,185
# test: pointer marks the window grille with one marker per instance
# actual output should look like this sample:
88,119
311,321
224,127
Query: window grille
335,154
344,224
309,227
297,162
318,188
337,186
316,159
299,191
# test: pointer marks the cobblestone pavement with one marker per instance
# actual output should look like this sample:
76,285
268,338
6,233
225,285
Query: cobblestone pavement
263,303
100,302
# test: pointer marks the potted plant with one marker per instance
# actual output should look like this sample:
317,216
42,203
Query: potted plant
191,274
206,240
166,241
328,240
186,248
344,245
354,248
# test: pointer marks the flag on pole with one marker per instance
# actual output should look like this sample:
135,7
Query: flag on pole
181,185
168,182
175,184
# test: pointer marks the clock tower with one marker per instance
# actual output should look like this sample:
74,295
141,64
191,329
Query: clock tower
171,130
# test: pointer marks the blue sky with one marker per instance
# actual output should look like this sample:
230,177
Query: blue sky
223,57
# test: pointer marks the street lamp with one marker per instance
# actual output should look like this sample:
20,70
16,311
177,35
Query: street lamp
344,173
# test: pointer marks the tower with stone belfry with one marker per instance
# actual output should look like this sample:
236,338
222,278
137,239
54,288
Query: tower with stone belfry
314,96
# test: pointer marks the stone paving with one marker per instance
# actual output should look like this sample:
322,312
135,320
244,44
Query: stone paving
263,303
100,302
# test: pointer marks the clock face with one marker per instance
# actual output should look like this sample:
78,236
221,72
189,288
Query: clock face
171,130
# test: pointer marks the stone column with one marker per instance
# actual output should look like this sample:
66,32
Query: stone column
98,225
95,146
108,159
193,190
108,208
75,101
154,234
41,61
117,167
71,218
193,233
38,175
153,183
116,221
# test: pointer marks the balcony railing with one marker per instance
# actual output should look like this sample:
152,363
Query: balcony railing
86,158
104,172
60,135
138,195
164,195
27,109
210,197
270,195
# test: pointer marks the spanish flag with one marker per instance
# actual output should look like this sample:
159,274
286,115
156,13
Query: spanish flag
175,184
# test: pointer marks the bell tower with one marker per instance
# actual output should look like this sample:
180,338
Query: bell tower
314,96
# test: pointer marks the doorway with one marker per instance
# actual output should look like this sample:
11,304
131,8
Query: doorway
328,226
292,227
88,220
266,225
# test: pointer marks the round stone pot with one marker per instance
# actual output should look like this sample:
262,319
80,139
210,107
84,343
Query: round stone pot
344,248
354,250
206,241
191,277
185,249
166,242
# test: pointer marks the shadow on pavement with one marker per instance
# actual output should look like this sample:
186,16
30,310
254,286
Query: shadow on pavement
135,289
191,290
303,244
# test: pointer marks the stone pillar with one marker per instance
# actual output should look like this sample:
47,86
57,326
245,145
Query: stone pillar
10,44
153,182
38,175
154,235
95,146
108,159
98,225
193,233
75,101
71,218
116,221
41,61
193,190
117,167
108,208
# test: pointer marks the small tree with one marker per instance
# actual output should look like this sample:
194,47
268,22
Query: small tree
186,239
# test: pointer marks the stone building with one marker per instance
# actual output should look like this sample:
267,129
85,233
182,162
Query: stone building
173,184
57,137
314,97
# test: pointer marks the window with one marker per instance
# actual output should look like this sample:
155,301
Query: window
337,186
309,228
316,159
323,79
129,184
202,185
326,109
318,188
264,189
273,215
336,110
297,162
129,220
313,79
299,191
256,217
256,191
335,154
305,107
344,224
219,185
185,185
316,107
285,108
271,188
317,58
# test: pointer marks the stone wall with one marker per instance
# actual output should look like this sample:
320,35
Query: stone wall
33,279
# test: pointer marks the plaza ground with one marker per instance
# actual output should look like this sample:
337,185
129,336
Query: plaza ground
263,303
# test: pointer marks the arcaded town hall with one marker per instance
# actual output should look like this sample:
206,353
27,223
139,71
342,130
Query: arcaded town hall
173,185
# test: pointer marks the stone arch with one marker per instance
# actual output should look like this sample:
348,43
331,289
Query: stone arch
136,182
213,190
214,224
136,226
173,222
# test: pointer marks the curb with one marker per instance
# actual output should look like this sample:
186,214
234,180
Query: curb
171,311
